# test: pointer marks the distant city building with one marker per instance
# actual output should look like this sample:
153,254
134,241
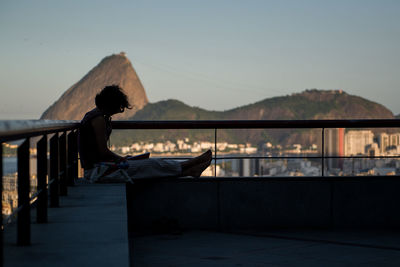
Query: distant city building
373,150
384,142
356,142
389,143
394,139
334,146
246,168
334,142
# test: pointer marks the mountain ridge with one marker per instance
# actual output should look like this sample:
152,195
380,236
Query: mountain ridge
307,105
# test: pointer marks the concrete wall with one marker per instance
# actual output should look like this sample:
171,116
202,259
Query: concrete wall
371,203
230,204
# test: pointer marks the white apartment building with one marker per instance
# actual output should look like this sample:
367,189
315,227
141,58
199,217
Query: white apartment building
389,140
384,142
356,142
394,139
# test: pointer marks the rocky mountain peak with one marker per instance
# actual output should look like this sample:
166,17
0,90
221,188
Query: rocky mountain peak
79,98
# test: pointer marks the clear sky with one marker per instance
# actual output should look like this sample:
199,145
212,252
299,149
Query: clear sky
215,54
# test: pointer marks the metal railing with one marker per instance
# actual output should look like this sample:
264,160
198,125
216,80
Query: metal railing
266,124
54,174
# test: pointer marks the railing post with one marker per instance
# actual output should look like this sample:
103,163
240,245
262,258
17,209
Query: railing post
215,154
76,157
1,204
54,172
323,153
42,181
63,164
24,214
71,158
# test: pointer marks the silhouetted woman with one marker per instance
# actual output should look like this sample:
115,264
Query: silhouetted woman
100,162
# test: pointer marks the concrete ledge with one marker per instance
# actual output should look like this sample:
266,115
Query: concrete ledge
177,203
366,204
258,205
232,204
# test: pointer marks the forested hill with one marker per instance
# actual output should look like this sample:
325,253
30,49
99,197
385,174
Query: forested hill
175,110
310,104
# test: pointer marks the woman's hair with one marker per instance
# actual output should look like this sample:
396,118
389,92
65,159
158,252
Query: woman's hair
112,98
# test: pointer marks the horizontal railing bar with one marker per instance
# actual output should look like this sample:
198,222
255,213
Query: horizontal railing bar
14,130
243,157
32,200
14,137
277,178
291,157
24,129
256,124
35,195
310,157
7,220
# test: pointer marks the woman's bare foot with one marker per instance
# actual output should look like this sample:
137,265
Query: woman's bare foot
198,169
197,160
194,167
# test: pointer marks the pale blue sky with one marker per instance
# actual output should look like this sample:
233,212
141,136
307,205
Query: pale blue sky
213,54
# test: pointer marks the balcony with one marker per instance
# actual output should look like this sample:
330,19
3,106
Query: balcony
210,221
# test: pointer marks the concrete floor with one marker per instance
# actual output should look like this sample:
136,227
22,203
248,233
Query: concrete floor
88,229
297,248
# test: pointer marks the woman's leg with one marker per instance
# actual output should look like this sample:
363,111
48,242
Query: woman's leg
149,168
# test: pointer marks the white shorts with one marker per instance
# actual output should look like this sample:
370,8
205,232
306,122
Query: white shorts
136,169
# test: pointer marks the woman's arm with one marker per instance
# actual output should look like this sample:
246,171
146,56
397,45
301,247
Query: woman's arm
99,126
140,156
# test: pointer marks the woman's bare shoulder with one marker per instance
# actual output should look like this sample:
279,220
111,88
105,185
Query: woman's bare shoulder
98,122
